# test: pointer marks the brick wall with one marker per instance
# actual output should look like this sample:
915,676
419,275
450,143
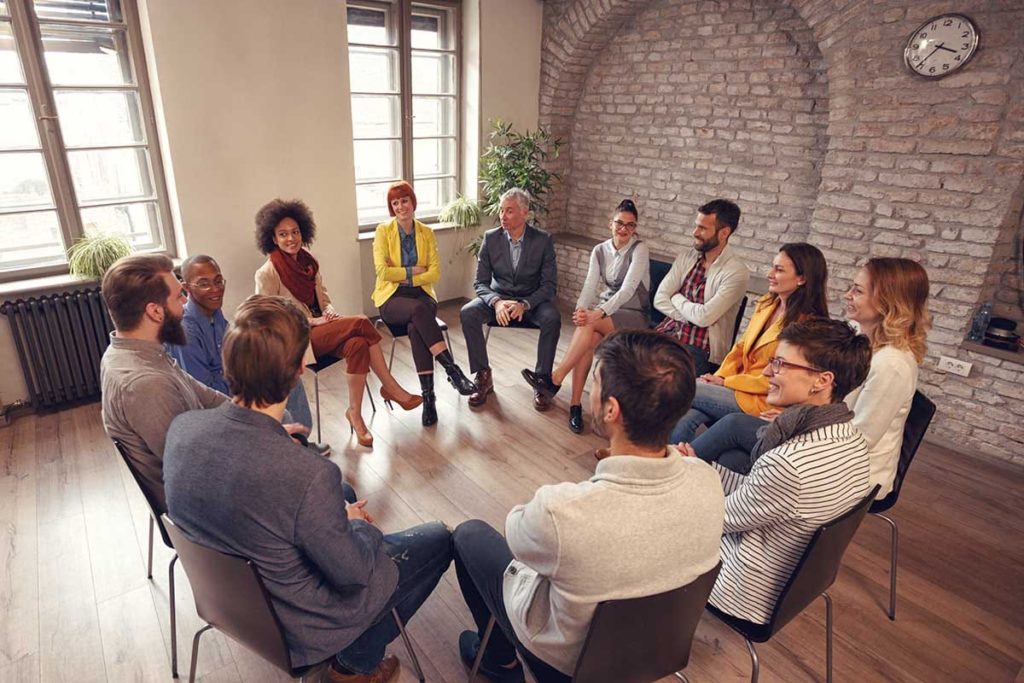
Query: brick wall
803,112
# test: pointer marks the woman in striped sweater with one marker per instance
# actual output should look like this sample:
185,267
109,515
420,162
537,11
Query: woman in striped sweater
812,466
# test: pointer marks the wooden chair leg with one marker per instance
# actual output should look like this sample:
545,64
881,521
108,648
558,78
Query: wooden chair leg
480,652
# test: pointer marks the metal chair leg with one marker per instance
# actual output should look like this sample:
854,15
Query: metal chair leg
408,646
195,652
755,665
447,339
316,394
391,359
149,564
893,558
369,393
487,334
480,652
682,677
174,620
828,637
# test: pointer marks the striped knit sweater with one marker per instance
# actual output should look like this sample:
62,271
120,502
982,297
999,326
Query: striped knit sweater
771,514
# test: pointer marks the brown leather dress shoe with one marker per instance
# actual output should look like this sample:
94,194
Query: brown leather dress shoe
484,386
386,672
541,401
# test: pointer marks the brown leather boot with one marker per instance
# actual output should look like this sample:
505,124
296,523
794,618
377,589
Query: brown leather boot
386,672
484,386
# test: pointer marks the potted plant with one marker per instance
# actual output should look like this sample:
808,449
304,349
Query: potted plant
92,255
464,213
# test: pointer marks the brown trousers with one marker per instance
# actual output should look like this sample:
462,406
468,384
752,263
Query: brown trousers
349,337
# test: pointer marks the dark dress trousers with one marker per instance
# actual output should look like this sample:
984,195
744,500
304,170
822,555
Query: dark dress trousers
534,282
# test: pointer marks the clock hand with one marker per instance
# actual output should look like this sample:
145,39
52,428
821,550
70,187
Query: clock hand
942,46
921,63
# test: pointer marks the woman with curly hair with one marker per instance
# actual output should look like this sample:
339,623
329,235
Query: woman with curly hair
283,231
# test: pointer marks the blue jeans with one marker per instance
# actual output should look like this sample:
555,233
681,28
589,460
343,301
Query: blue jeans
298,406
729,442
711,403
422,554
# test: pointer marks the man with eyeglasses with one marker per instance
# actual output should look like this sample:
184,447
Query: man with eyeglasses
701,294
205,326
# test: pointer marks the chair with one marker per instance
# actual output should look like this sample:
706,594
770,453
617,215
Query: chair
659,269
397,331
157,507
813,575
230,596
739,319
637,640
520,324
318,367
921,412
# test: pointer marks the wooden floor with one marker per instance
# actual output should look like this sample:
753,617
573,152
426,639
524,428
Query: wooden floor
75,604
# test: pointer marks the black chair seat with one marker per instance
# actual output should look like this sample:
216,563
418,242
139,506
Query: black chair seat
759,633
521,324
323,363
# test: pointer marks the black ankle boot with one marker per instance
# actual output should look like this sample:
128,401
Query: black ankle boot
456,378
429,416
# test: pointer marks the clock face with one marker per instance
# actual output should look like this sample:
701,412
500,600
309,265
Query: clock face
941,45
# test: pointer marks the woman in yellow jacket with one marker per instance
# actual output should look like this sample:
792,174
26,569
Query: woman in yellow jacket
405,259
796,291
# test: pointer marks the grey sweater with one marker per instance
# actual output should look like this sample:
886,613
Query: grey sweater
236,482
639,526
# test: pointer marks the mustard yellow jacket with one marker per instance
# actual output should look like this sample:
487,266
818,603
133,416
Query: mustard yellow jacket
743,365
387,260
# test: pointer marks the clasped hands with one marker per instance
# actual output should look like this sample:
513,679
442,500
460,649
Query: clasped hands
507,310
329,315
582,317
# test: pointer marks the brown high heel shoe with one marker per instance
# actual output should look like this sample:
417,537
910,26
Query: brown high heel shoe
365,438
414,400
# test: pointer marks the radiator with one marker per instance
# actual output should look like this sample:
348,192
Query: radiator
60,339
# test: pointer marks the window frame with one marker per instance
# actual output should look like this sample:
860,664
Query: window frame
26,27
402,11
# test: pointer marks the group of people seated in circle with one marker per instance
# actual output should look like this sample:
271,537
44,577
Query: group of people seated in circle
802,418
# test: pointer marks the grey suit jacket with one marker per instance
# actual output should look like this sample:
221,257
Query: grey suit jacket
536,279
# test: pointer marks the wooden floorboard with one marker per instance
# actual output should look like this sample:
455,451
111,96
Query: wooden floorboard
75,603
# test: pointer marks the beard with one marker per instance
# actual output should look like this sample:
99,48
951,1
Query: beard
707,245
171,330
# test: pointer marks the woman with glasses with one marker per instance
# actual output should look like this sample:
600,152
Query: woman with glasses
407,266
284,230
615,296
796,291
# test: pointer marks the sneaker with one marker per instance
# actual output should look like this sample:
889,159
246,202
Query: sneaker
386,672
323,449
469,645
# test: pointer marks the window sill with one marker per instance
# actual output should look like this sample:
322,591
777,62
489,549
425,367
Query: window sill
49,284
436,227
992,352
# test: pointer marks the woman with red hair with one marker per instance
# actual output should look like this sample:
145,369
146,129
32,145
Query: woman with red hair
407,266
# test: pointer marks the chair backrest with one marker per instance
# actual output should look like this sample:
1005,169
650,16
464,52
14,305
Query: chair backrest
659,269
643,639
154,498
231,597
739,319
918,419
819,566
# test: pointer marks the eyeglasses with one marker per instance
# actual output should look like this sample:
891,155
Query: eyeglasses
619,224
776,364
206,285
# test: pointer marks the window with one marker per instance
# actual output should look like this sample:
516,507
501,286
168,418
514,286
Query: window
403,69
77,138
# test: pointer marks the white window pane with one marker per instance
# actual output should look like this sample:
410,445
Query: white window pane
372,69
376,116
100,118
3,9
432,30
17,125
10,64
138,222
370,25
433,73
372,203
378,160
432,194
23,181
433,116
105,174
433,156
86,56
89,10
30,239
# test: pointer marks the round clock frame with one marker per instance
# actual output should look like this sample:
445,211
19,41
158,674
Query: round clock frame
958,28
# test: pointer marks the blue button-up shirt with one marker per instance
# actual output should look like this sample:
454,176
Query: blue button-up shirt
409,256
201,356
515,249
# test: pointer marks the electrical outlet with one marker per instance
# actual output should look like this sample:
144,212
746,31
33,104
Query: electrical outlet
957,367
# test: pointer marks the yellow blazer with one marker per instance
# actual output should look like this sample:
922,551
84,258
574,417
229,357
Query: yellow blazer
743,365
387,260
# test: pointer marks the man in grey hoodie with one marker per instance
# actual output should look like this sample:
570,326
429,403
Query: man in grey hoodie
648,521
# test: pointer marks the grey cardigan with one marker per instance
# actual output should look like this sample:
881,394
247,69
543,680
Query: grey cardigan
236,482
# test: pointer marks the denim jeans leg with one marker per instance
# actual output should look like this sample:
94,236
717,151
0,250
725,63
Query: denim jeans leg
710,404
729,441
422,555
298,406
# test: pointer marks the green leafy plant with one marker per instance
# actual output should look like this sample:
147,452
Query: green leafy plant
465,214
514,159
92,255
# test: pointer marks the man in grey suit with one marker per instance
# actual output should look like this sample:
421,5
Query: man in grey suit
516,280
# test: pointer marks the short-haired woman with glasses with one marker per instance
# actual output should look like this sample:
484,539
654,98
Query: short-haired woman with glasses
615,296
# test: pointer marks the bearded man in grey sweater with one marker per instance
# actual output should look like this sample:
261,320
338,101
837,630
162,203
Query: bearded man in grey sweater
648,521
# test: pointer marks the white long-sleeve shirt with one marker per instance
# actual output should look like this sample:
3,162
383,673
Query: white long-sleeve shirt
638,272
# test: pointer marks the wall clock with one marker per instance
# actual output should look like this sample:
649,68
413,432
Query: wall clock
941,46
